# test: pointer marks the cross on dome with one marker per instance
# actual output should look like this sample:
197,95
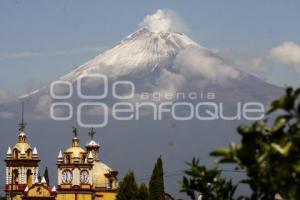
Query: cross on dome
92,133
92,142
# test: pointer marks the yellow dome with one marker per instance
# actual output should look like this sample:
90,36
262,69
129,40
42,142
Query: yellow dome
39,191
99,171
22,146
75,152
22,151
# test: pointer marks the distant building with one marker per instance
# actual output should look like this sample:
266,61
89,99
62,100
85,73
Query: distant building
81,174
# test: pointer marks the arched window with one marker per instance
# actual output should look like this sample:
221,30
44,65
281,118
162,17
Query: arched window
15,177
110,183
29,177
29,153
16,154
68,159
83,158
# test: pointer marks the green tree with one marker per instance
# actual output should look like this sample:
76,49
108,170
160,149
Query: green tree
143,192
156,185
269,152
128,188
270,155
46,176
206,182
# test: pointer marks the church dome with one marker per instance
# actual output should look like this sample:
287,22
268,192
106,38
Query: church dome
99,171
38,190
22,150
22,147
75,152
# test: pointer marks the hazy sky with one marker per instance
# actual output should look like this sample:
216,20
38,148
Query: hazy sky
42,40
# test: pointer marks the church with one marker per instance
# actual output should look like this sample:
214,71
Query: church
81,174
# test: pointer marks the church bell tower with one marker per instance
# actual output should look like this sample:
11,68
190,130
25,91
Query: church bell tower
75,173
21,165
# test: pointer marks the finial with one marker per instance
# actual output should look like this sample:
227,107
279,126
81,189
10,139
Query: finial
9,151
35,152
60,155
43,180
90,156
92,133
36,179
75,132
22,125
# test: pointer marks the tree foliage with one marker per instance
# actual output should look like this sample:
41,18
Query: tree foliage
156,184
144,192
129,189
46,176
269,152
206,182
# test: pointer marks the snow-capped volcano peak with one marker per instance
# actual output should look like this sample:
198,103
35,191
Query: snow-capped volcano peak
154,45
141,52
159,57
